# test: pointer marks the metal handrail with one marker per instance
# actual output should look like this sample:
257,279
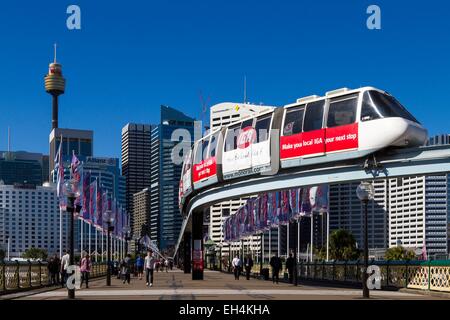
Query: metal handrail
426,275
27,275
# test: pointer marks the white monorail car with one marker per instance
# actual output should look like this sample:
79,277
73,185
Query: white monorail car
344,124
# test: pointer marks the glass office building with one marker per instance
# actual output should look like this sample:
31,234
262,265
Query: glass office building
23,167
165,216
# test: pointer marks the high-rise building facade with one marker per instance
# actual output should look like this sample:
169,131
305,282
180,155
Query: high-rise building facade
135,161
223,114
419,213
165,216
23,167
30,217
79,141
345,211
141,207
107,172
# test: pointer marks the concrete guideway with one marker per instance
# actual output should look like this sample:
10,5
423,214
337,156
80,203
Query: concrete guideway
390,163
176,285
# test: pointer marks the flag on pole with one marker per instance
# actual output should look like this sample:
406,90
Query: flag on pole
59,168
92,201
86,195
104,205
99,218
76,176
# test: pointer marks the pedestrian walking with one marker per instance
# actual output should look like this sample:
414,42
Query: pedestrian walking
149,264
65,260
236,263
166,265
53,269
125,267
140,266
290,267
248,264
275,263
85,268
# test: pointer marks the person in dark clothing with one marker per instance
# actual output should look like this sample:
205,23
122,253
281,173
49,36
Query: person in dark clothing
290,267
275,263
248,265
126,269
53,269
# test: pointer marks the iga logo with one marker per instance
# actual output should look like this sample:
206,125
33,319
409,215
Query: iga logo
246,137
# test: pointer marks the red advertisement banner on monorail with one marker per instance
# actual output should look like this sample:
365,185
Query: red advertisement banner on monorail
302,144
205,169
319,141
341,138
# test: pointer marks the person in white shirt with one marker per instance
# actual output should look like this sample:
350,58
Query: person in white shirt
149,265
236,263
65,261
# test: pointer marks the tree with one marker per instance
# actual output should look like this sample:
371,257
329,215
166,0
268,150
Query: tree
399,253
343,245
35,254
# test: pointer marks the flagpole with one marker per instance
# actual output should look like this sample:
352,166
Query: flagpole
90,227
279,236
60,232
328,235
81,244
96,232
102,244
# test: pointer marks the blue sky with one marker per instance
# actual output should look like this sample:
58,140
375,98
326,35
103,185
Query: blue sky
131,56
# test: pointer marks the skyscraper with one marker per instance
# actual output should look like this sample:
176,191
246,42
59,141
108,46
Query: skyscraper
418,213
141,207
165,216
345,211
29,217
135,162
23,167
79,141
107,172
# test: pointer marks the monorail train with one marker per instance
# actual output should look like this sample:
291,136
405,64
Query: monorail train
344,124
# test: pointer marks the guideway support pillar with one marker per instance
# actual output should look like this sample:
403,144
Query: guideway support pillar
197,245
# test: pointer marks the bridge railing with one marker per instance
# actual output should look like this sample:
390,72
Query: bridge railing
425,275
27,275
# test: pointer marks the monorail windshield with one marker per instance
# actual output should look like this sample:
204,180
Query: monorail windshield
378,105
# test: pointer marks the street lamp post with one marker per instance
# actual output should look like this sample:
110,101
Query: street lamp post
126,231
71,191
365,192
108,217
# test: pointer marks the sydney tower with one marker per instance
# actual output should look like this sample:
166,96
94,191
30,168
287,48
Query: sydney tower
55,85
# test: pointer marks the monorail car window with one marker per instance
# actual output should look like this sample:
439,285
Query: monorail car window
342,111
198,156
314,116
187,163
231,138
379,105
247,123
213,145
205,145
262,128
293,122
